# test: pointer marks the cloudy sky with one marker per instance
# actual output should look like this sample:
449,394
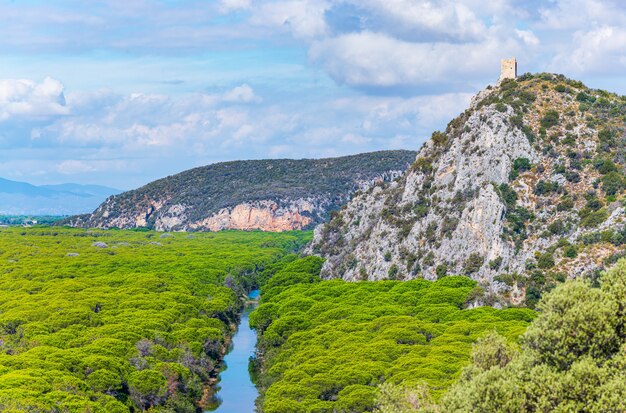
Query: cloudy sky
120,92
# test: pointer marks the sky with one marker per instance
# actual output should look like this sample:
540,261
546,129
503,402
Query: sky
120,93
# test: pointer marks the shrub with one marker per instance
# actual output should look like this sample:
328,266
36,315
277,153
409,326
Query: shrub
550,119
423,165
507,195
495,263
604,166
612,183
441,271
566,204
545,188
594,219
522,164
393,398
558,227
545,260
570,252
473,264
393,272
439,138
147,388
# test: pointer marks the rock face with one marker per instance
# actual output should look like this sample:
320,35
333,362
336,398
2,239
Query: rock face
270,195
263,215
524,189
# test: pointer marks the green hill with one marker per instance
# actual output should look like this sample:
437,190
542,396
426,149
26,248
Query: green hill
270,195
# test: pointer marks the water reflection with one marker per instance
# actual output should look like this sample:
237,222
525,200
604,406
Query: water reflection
236,391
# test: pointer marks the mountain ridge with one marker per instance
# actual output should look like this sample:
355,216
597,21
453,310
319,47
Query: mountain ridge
22,198
271,195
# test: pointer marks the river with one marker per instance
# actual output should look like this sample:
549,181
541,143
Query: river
237,393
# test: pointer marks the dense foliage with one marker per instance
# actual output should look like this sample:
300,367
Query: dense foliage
206,190
573,358
119,321
325,345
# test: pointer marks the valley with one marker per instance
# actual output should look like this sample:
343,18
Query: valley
119,321
313,206
494,261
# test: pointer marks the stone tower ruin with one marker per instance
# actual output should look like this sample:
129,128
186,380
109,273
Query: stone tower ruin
508,69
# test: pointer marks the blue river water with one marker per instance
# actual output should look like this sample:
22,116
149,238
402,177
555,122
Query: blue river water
237,393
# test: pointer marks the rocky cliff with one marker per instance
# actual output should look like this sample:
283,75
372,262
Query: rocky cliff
270,195
522,190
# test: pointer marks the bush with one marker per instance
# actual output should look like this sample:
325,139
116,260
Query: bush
545,188
558,227
566,204
594,219
492,350
570,252
473,263
507,195
441,271
439,138
393,272
604,166
393,398
147,388
550,119
545,261
495,264
612,183
522,165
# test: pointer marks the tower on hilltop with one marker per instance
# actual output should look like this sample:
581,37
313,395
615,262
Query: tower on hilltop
508,69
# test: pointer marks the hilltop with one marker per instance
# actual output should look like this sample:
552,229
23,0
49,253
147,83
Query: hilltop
522,190
271,195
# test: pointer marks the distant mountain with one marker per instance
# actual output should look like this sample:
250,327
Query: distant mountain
21,198
271,195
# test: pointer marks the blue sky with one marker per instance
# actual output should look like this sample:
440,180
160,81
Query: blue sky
123,92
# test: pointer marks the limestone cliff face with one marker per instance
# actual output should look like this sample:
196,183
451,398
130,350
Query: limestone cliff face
263,215
513,194
270,195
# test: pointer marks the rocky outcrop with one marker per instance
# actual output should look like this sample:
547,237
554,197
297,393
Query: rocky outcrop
513,194
263,215
270,195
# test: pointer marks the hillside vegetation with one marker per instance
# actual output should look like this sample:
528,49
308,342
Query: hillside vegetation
295,193
521,191
120,321
572,359
325,346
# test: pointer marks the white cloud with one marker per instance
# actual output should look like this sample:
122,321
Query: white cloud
376,59
227,6
31,100
304,19
241,94
575,15
601,50
71,167
447,18
528,37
